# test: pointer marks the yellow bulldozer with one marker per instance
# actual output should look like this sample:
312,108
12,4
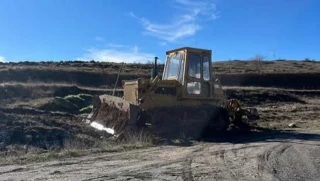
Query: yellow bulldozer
185,99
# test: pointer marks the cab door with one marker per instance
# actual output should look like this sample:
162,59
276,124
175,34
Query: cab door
198,75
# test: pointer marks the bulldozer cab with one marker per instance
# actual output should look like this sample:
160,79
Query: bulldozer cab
186,80
192,68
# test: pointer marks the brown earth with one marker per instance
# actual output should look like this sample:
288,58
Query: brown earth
284,92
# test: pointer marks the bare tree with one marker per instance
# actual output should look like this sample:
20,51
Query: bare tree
258,62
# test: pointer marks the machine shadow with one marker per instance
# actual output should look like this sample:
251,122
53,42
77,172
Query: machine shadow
259,135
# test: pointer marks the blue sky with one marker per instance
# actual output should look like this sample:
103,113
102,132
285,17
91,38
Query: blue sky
138,30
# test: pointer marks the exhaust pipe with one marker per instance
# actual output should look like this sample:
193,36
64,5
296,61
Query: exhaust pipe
154,71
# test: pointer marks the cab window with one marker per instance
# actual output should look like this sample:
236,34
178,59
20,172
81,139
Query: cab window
194,66
206,68
174,67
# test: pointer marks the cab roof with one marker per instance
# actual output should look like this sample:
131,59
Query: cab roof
191,49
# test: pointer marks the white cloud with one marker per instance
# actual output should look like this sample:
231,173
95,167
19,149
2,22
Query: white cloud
2,59
117,54
187,22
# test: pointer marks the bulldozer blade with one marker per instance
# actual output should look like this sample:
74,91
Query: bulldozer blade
167,122
114,112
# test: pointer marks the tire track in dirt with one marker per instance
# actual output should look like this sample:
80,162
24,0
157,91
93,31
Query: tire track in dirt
232,174
187,172
187,164
222,161
155,169
229,158
264,160
288,161
14,170
208,158
220,158
227,161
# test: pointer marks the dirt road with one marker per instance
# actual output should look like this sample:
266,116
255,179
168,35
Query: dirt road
258,156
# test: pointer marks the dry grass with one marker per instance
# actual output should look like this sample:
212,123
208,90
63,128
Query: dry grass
75,148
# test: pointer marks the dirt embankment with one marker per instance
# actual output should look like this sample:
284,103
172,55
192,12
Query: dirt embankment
12,91
93,79
282,74
280,80
81,78
273,67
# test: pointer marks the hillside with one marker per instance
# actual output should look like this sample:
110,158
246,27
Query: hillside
286,74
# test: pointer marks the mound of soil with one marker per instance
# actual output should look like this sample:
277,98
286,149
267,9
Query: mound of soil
43,130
